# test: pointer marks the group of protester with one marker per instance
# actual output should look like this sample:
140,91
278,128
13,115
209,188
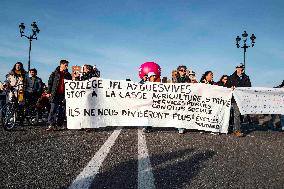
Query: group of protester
237,79
31,89
19,84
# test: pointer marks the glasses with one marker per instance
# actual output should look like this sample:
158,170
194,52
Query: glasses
225,78
181,70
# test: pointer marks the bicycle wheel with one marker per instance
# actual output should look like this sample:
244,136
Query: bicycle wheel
9,116
31,115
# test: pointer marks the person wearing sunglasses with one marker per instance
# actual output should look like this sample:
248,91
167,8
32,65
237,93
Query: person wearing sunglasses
181,75
182,78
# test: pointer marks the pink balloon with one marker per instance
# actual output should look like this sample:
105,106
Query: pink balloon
147,67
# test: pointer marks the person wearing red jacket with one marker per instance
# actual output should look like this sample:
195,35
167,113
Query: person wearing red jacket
56,92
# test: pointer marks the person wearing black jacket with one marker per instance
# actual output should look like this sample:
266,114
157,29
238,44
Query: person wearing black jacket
182,78
56,92
281,85
88,73
238,79
181,75
273,116
282,115
224,81
144,79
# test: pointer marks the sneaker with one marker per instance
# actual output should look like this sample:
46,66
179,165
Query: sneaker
238,133
146,130
88,130
50,128
62,128
213,133
181,131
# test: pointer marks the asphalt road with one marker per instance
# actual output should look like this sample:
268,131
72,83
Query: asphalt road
34,158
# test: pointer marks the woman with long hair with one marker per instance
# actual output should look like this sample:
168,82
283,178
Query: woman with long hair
224,81
207,78
18,83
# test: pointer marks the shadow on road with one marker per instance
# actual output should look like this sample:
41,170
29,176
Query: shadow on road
170,169
173,170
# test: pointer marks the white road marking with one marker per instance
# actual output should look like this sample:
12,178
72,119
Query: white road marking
87,176
145,174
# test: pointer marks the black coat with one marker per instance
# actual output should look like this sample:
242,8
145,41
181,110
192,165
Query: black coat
281,85
237,81
185,79
53,81
228,85
87,76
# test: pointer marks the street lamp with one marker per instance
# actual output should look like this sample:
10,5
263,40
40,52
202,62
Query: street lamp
244,36
35,31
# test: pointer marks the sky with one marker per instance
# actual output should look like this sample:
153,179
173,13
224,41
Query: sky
120,35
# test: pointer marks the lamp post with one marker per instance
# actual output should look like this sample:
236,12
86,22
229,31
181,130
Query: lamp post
244,37
35,31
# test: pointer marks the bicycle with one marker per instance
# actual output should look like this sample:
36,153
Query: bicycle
9,113
12,114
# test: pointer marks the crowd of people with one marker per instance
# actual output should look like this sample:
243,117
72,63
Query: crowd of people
237,79
31,89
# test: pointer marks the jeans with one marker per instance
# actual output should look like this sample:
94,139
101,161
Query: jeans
2,100
53,120
282,121
271,123
181,129
237,117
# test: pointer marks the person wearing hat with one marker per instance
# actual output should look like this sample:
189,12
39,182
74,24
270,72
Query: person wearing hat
192,76
238,79
151,76
96,71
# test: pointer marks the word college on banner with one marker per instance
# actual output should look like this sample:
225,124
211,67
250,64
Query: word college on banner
259,100
101,102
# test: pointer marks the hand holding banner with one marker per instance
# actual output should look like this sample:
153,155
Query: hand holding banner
124,103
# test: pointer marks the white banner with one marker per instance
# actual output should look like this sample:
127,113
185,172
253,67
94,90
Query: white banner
101,102
259,100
